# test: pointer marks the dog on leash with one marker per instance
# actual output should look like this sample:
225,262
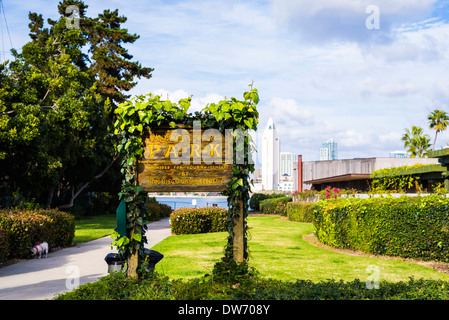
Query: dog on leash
40,249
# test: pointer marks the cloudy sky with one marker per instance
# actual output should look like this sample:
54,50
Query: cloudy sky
358,71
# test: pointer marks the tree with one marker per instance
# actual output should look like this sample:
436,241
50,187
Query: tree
416,142
438,120
57,107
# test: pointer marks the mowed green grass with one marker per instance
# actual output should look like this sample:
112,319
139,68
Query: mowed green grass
94,227
277,250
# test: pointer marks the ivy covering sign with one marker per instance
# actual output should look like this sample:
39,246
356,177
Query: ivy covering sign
227,145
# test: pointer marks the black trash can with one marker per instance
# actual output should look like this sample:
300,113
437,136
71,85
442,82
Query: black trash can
151,257
114,262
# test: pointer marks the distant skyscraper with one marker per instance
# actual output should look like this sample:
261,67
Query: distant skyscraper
329,150
286,171
286,164
270,157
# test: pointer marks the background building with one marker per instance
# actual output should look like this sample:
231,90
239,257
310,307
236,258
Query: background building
257,180
286,163
351,173
270,157
329,150
399,154
287,171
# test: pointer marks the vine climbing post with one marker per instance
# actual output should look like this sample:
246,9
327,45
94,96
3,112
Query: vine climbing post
133,260
239,234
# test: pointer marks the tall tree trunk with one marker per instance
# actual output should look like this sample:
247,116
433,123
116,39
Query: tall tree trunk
50,197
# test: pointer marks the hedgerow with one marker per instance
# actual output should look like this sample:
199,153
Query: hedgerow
198,220
409,227
157,287
300,211
275,205
256,198
21,229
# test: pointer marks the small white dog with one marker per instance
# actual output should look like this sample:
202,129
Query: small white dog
40,248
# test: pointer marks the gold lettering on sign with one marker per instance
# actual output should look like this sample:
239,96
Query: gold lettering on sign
182,160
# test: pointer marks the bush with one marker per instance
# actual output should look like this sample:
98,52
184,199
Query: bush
116,286
409,227
166,210
256,198
198,220
153,211
4,245
62,228
157,211
300,211
275,206
26,228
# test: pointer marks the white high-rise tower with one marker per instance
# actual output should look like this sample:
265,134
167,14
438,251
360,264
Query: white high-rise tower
270,157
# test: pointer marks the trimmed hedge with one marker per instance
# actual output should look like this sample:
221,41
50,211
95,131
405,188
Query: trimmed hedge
116,286
20,230
198,220
275,206
157,211
409,227
256,198
4,245
300,211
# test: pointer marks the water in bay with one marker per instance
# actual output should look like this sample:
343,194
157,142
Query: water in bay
193,202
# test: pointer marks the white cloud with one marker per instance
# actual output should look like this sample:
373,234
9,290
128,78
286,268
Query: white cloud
387,88
343,20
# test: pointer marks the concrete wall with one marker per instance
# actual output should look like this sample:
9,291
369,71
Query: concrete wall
313,170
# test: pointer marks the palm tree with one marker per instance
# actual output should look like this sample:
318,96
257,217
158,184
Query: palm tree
438,120
422,145
416,142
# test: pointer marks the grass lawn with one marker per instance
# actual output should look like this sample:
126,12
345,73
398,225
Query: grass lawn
277,250
91,228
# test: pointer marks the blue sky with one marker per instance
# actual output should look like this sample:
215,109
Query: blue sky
321,73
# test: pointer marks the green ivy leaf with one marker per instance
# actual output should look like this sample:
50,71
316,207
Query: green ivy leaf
137,236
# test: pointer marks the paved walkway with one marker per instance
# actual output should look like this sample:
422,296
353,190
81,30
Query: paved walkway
39,279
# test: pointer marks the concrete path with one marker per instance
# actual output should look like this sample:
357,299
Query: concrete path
39,279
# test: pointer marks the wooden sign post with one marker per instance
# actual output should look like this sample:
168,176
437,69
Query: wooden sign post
239,235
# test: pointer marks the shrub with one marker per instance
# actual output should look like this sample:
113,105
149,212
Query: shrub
256,198
26,228
409,227
154,211
275,206
300,211
198,220
328,193
157,210
4,245
62,228
116,286
166,210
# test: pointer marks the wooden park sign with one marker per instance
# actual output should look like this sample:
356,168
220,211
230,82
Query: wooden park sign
164,149
182,159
